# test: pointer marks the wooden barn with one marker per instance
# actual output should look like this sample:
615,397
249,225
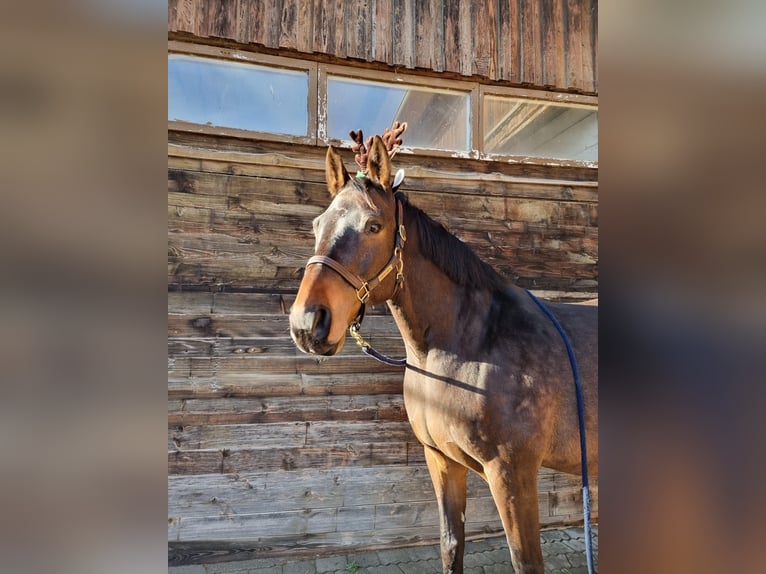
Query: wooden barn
272,452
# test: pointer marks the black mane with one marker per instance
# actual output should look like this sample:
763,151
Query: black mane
455,258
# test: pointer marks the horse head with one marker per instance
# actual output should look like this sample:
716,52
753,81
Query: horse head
357,253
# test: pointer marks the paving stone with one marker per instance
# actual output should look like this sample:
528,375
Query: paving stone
363,560
421,567
577,559
391,556
476,560
500,555
487,544
576,544
556,563
416,553
302,567
331,564
553,536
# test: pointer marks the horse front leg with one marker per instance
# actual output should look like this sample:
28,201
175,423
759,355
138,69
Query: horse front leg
514,490
449,480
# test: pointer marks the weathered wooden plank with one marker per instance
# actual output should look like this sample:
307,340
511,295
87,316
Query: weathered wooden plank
196,462
586,77
248,304
594,48
359,29
531,33
259,351
429,35
452,34
364,454
223,18
509,42
288,28
386,408
575,44
341,39
285,435
192,188
187,146
242,385
249,493
304,30
382,32
265,527
349,360
324,26
206,324
238,460
484,38
404,33
312,545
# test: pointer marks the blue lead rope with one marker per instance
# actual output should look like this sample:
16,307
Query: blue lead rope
581,421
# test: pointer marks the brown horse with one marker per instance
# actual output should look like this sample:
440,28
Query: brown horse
488,384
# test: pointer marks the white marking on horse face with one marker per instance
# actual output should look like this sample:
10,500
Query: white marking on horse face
344,213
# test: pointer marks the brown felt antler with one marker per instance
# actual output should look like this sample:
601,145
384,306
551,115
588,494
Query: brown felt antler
391,138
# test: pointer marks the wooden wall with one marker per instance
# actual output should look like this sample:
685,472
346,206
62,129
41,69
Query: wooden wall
274,452
546,43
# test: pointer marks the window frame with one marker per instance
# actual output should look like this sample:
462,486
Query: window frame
318,74
394,78
578,100
240,56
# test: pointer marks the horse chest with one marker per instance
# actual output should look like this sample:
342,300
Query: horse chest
440,415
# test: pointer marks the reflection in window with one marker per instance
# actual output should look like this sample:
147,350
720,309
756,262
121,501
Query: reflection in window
437,119
234,95
539,129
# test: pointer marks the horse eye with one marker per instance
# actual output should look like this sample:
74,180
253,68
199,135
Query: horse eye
374,227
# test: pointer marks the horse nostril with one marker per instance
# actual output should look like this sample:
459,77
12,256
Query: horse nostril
321,327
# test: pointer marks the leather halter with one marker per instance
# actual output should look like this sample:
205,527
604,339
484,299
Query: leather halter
364,288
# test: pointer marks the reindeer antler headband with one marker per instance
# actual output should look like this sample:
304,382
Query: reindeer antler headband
391,139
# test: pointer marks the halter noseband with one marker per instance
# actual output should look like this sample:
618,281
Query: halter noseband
364,288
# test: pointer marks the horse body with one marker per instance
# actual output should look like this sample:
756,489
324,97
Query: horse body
488,385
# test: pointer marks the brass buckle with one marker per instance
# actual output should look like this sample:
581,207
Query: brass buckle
399,265
365,293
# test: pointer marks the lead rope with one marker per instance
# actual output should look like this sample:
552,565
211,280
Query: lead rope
581,421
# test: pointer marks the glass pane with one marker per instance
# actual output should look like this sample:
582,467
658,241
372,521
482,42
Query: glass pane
234,95
437,119
539,129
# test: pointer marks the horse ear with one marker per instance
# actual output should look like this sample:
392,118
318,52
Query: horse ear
378,163
335,172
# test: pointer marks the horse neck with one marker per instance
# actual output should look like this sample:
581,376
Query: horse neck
432,310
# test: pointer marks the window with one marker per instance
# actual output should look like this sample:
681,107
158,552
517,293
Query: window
537,128
227,91
238,95
437,119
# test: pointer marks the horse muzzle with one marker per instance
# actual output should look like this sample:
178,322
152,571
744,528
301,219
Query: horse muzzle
310,328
